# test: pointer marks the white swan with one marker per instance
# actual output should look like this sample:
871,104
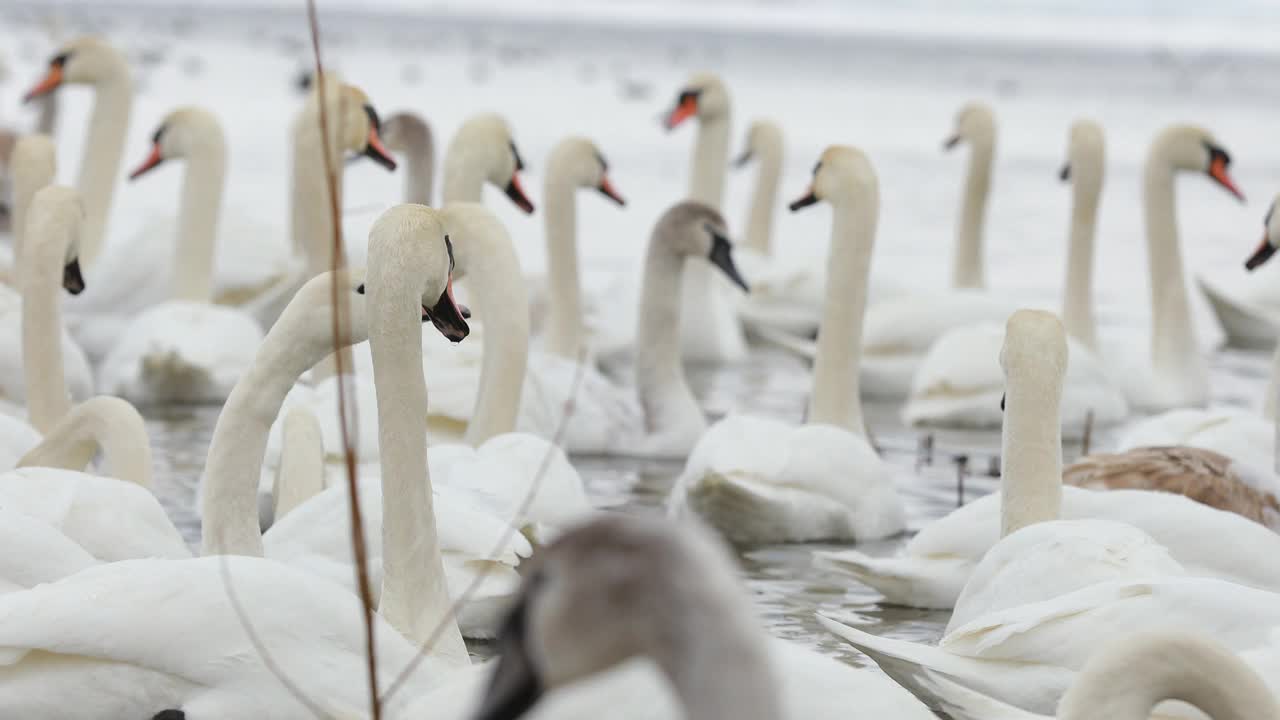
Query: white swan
300,474
1030,654
673,421
710,329
785,295
761,480
186,349
1248,306
1245,436
1159,674
692,646
959,382
938,562
44,343
483,150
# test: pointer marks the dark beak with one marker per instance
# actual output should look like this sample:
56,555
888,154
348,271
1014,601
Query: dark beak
606,188
448,317
376,151
803,201
1261,255
1065,173
951,142
722,257
72,280
516,193
742,159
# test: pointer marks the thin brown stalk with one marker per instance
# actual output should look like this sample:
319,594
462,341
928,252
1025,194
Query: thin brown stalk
509,533
341,311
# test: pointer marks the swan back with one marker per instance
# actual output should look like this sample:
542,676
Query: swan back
678,602
1034,359
1126,679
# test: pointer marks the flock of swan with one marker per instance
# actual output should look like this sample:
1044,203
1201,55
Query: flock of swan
1130,583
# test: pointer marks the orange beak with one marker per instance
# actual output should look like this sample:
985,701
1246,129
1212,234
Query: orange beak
154,159
1218,171
606,188
685,110
378,152
50,83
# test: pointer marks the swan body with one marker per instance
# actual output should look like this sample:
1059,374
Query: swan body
760,480
1248,308
959,383
186,350
1030,654
683,571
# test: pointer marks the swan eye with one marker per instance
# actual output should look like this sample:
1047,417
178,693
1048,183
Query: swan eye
516,153
688,96
60,59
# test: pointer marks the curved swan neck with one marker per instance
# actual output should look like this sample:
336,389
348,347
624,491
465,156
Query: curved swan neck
564,305
103,150
410,135
660,382
1174,351
48,239
300,338
1077,310
34,166
1031,465
102,423
415,597
835,397
710,160
1126,681
312,224
202,188
300,475
764,199
486,257
968,270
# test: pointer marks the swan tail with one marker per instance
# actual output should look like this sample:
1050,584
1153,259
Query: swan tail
959,702
932,583
759,512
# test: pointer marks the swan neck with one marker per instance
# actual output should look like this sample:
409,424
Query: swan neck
201,199
710,160
312,222
300,475
660,381
835,399
419,162
764,198
415,598
239,444
102,424
1173,342
1031,464
1195,671
498,291
968,270
1273,387
463,177
564,289
108,130
1077,309
41,285
31,172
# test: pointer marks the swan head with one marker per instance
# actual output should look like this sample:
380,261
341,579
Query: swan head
56,215
1035,344
1086,153
485,141
1270,237
413,236
579,161
841,172
399,130
704,95
761,136
614,588
183,133
87,60
975,124
1194,149
360,129
692,229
